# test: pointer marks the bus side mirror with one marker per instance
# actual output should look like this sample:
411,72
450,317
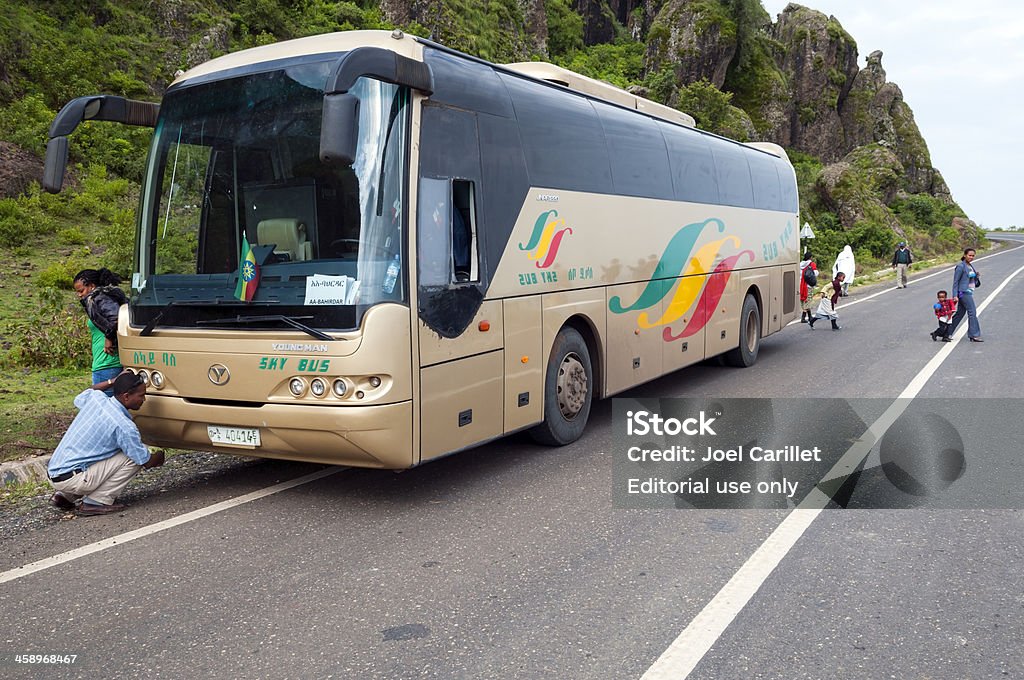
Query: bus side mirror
56,161
339,129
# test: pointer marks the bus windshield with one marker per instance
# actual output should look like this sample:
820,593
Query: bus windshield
234,175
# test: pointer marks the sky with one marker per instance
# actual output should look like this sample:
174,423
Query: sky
960,66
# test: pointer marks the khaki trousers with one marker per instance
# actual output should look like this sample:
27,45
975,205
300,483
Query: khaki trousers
901,275
103,481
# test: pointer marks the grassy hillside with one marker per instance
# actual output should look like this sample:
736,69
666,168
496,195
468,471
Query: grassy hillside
54,50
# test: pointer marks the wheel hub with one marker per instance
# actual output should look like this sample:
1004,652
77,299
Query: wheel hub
572,386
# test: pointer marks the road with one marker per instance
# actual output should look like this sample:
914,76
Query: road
511,561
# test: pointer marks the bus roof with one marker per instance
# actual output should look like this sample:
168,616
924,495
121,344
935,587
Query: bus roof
412,47
326,43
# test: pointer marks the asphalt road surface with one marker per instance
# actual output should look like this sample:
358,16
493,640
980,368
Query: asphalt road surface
512,561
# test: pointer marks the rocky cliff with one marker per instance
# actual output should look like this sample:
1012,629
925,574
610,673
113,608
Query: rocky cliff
797,80
794,81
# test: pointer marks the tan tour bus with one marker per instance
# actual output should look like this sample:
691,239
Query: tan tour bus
367,249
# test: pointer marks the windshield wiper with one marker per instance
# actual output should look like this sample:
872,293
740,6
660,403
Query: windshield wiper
292,321
148,330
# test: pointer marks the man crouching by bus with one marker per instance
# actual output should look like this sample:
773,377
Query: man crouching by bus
102,450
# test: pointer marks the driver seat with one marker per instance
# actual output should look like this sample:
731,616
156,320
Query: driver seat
288,236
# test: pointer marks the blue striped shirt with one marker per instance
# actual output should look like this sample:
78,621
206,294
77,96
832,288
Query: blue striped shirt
102,427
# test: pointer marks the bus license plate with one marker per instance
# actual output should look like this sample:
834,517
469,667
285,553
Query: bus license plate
234,436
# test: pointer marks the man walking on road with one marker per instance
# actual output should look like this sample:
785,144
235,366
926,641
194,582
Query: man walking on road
901,259
102,449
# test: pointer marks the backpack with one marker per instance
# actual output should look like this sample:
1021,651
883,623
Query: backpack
810,276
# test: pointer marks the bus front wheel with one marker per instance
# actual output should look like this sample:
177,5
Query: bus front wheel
568,390
750,336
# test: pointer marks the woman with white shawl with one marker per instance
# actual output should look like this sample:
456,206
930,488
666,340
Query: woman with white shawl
845,264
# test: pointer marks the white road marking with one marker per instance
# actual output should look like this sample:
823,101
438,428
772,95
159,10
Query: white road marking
687,650
120,539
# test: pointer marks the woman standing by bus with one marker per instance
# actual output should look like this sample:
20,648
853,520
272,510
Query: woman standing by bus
101,298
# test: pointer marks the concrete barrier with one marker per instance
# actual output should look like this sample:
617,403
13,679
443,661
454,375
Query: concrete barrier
31,470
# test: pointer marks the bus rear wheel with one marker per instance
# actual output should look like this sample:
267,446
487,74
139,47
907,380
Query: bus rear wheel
568,390
750,336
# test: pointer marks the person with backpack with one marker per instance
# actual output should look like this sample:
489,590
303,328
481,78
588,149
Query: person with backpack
101,298
901,260
808,280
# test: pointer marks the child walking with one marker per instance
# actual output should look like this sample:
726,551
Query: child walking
827,306
944,310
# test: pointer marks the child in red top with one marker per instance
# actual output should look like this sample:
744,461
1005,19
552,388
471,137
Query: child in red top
944,310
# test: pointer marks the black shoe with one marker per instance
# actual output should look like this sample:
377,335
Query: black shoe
933,335
836,327
976,340
61,501
90,509
810,323
947,339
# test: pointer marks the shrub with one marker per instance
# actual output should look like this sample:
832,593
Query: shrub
58,276
23,221
54,336
565,28
707,104
620,64
119,240
25,122
71,236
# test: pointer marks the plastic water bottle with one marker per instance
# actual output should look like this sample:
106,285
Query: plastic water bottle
391,276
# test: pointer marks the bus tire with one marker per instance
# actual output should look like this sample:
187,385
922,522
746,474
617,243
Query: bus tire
750,336
568,391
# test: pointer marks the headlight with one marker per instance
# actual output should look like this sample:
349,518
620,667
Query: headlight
144,374
157,378
339,387
375,382
297,386
318,387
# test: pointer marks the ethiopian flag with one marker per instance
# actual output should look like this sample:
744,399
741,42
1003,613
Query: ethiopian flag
248,272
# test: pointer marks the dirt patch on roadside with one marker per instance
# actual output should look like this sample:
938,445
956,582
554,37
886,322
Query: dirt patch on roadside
18,169
47,429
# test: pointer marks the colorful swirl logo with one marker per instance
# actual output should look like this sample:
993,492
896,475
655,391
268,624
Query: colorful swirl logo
693,293
548,232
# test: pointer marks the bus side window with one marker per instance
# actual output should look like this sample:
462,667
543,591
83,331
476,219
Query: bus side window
464,232
434,233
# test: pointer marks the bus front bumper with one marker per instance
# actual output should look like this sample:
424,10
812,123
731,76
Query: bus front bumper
361,436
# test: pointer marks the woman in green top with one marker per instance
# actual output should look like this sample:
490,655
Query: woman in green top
98,292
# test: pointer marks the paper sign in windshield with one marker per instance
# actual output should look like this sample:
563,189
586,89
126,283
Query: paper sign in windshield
331,290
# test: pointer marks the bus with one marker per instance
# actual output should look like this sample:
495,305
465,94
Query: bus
365,248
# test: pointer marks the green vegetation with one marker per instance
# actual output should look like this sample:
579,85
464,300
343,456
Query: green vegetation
620,63
565,28
51,52
13,495
752,74
712,110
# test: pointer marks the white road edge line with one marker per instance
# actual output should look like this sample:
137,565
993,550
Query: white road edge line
120,539
687,650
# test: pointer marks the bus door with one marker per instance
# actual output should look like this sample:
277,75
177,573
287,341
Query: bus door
460,335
